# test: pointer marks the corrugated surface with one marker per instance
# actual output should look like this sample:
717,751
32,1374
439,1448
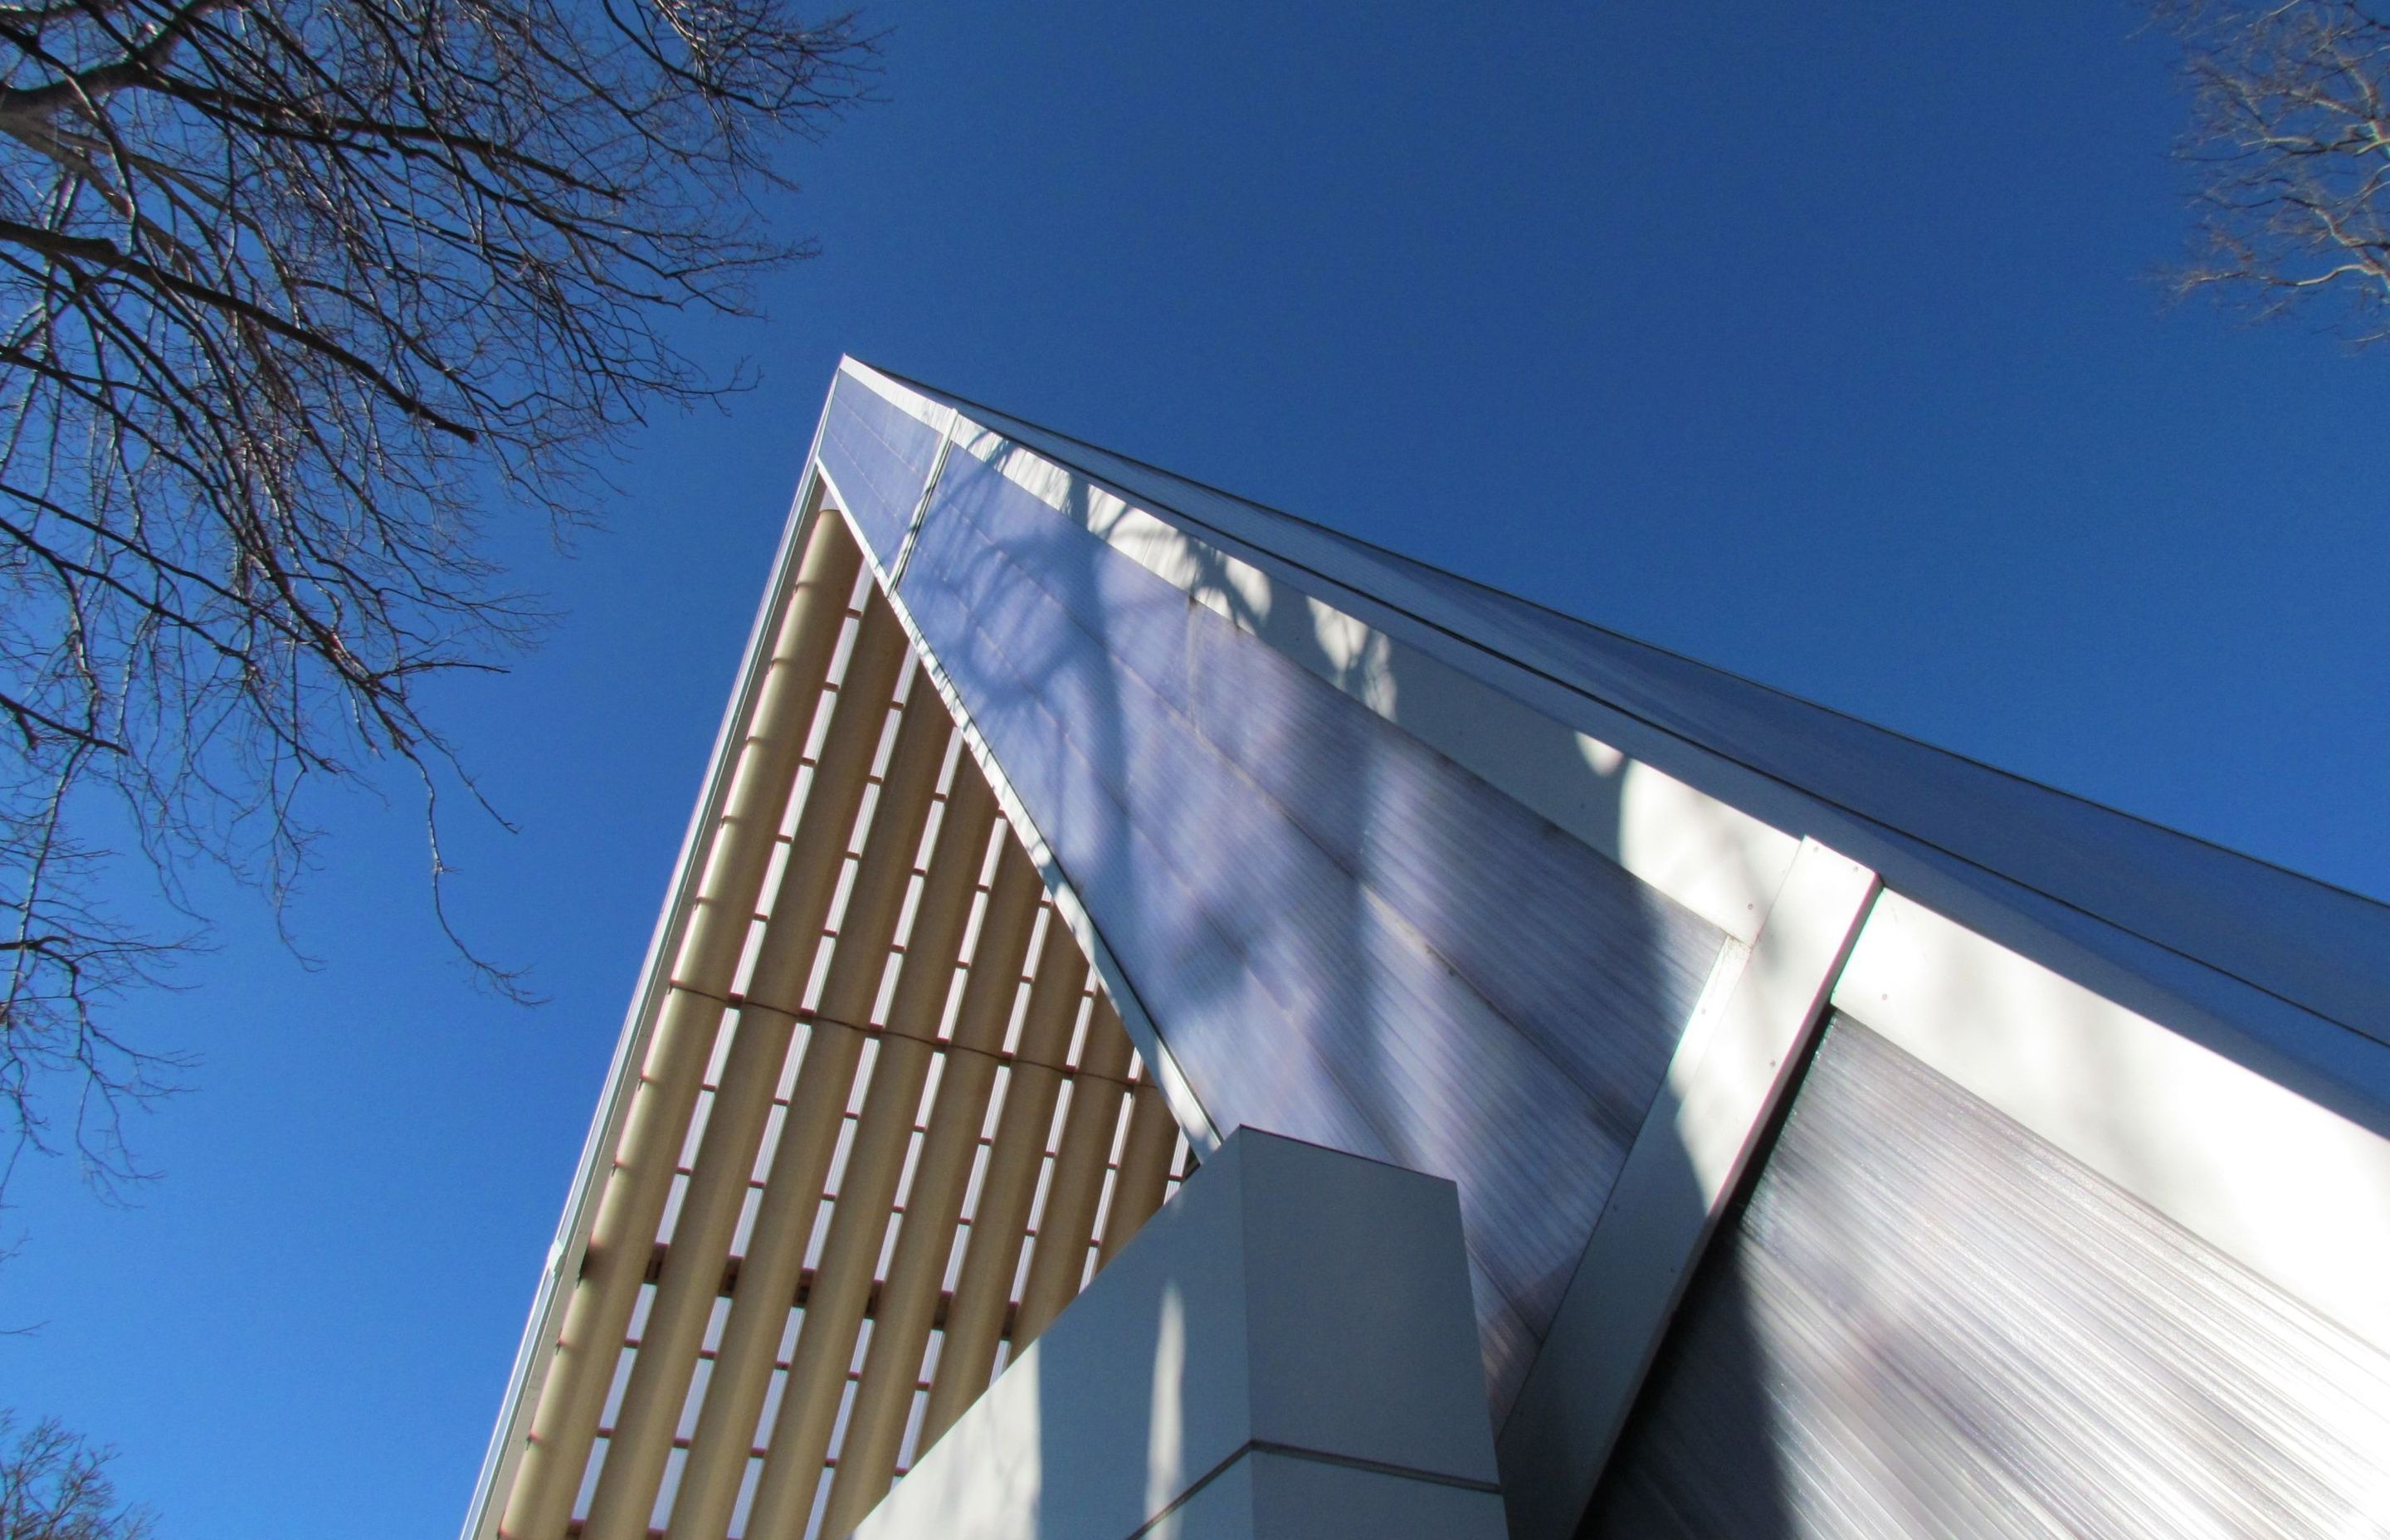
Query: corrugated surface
2267,949
1342,935
1928,1321
879,456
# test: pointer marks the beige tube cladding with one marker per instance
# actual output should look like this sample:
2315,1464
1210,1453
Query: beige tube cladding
564,1426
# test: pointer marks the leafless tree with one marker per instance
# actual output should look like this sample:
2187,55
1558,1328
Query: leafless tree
2290,142
54,1485
294,295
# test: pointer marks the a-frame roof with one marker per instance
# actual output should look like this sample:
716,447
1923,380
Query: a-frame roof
1360,853
2143,913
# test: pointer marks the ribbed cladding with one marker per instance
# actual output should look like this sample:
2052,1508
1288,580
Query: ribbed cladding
2111,879
1340,934
1146,1150
1928,1320
807,1421
722,1441
691,1281
934,1205
1066,1226
790,1134
999,1225
631,1202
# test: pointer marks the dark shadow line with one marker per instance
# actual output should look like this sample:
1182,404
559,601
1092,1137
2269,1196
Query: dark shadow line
1317,1456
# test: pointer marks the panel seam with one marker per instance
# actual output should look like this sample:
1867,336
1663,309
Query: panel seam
921,509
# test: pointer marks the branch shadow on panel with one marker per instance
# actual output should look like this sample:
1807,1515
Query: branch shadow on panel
1343,935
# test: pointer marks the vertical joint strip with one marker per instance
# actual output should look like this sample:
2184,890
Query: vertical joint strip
1722,1090
921,508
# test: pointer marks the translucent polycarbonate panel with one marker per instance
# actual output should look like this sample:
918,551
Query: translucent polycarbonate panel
879,456
2260,947
1340,934
1930,1321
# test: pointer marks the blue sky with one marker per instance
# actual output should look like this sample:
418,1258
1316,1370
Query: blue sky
1813,342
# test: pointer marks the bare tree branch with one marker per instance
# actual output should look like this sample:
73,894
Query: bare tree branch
2290,147
54,1485
294,294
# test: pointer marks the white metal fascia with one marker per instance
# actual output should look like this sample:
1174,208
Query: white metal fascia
944,420
2290,1189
